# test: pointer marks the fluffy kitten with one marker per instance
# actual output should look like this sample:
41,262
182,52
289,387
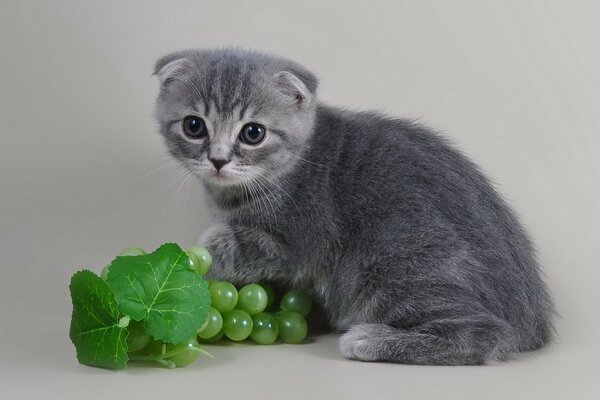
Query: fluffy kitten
400,238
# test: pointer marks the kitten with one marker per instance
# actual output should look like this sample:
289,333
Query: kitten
400,238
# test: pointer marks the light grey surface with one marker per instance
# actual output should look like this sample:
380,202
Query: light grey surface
514,83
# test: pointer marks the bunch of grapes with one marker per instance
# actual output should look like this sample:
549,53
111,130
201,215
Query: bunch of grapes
234,314
249,312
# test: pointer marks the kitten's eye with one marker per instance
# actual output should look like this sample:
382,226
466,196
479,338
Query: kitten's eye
252,133
194,127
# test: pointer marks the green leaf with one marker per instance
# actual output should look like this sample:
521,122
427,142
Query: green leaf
96,324
160,288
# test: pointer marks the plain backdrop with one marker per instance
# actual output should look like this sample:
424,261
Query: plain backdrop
83,171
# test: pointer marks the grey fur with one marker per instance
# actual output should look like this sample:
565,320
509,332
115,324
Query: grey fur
400,238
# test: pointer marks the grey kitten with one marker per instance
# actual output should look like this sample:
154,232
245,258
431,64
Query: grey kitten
400,238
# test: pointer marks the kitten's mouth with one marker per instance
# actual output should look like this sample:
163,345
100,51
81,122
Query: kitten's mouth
223,177
220,177
219,174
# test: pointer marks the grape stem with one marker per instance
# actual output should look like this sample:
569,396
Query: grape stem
163,358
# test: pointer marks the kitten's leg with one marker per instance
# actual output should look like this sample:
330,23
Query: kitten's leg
243,254
467,340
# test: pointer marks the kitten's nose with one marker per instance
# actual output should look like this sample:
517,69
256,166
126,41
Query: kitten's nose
218,163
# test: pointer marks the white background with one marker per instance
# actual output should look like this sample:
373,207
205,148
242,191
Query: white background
83,171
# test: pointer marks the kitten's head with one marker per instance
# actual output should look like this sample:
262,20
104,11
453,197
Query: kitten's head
232,115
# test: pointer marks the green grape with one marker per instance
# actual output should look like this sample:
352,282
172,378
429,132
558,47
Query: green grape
132,251
270,295
252,298
292,327
184,353
237,325
170,355
297,301
104,273
194,263
137,338
204,324
154,348
223,296
214,325
213,339
204,257
211,281
129,251
265,328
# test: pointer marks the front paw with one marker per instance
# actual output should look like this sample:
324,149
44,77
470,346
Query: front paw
221,243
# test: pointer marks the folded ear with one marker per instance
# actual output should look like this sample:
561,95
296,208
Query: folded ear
168,68
299,88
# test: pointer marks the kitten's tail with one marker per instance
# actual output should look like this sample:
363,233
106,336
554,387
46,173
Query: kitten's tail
464,341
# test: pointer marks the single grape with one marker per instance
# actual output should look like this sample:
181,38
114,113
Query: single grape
154,348
204,257
213,339
214,325
270,294
104,272
137,338
204,324
223,296
237,325
297,301
185,353
129,251
265,328
132,251
252,298
292,327
194,261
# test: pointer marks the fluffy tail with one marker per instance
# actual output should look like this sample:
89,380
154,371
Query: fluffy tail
464,341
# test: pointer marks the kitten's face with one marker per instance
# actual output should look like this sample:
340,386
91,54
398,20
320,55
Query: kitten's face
233,117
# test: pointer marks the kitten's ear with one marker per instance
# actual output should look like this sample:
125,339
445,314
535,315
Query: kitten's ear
298,87
168,68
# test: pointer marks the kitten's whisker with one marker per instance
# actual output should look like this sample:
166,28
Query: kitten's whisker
165,162
265,201
266,192
258,201
308,161
181,189
168,190
162,168
181,174
274,181
245,193
174,169
163,171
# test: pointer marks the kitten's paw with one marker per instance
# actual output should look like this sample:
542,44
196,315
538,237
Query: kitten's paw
363,342
221,243
216,235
